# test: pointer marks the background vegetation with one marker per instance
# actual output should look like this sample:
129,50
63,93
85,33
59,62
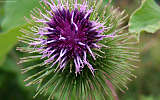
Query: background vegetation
145,87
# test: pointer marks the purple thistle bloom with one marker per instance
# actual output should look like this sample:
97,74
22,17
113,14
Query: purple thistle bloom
69,35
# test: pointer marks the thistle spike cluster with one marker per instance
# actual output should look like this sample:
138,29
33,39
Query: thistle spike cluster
77,47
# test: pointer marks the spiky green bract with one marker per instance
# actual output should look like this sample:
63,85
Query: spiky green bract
113,64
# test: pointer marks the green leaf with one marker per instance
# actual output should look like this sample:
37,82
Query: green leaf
13,17
7,41
15,12
145,18
1,12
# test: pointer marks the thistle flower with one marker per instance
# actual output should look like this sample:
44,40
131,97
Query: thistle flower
77,48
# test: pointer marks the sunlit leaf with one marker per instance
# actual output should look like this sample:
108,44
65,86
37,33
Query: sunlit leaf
7,41
145,18
1,13
15,12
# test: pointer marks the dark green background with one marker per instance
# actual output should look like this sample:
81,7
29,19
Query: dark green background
145,87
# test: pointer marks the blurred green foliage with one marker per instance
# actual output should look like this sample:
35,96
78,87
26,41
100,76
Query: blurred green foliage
147,84
11,81
13,20
15,12
145,87
8,41
1,13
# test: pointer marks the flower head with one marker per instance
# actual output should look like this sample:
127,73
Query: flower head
72,39
69,35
